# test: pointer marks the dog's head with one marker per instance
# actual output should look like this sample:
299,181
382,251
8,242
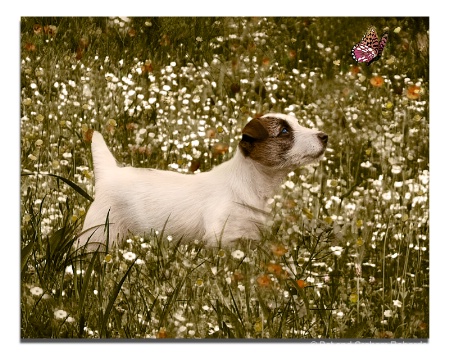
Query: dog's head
277,140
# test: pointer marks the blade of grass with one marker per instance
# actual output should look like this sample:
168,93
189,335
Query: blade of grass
68,182
25,254
115,293
238,320
84,289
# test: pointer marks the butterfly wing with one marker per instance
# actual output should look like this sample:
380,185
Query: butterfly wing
363,53
380,48
383,41
370,39
367,50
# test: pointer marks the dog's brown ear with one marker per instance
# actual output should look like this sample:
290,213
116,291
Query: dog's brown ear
253,131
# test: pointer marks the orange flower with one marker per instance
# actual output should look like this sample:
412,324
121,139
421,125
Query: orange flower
30,47
147,67
384,334
422,325
292,54
80,52
131,126
37,29
264,281
238,276
265,61
220,149
50,30
210,133
162,333
143,150
274,269
377,81
87,136
413,92
278,250
354,69
301,283
277,270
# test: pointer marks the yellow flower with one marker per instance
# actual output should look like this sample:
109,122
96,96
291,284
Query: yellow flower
87,174
111,125
221,253
55,164
257,327
112,122
328,220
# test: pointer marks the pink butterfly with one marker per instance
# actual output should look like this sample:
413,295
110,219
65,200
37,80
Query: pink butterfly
370,48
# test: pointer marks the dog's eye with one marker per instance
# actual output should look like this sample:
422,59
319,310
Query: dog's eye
284,132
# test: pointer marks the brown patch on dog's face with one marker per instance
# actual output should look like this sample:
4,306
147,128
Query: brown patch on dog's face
267,141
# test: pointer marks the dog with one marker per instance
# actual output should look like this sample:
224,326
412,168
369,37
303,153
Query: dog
219,207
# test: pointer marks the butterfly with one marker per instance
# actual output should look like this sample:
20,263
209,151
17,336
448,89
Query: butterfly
370,48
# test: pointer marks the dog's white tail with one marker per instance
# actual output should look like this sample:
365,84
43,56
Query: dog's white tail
104,161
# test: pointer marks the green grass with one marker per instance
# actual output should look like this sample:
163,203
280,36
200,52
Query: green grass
347,254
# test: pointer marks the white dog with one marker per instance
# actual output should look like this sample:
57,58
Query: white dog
220,206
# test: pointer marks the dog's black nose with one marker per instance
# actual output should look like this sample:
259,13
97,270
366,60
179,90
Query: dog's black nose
323,137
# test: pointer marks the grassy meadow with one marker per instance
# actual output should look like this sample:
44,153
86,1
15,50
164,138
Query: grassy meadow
347,253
